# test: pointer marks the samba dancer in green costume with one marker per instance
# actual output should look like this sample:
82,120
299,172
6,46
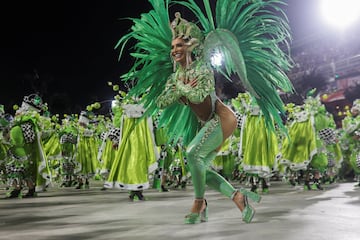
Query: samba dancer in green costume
68,139
325,137
86,150
192,111
52,147
136,155
299,149
351,139
27,149
258,146
110,141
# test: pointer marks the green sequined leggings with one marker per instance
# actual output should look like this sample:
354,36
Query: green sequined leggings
200,153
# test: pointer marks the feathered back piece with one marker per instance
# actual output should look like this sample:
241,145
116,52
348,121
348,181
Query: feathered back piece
249,35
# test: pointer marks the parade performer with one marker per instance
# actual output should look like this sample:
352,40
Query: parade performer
27,161
136,155
351,138
52,147
331,138
328,154
86,150
110,140
181,80
68,140
299,149
258,146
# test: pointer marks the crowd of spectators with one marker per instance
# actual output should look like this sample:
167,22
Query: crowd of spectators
323,52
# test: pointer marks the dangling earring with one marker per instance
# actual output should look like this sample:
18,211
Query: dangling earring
174,63
174,66
188,59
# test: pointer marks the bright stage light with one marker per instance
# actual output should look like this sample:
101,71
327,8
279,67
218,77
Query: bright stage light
340,13
216,59
114,103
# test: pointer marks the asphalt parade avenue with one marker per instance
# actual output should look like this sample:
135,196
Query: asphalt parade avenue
285,212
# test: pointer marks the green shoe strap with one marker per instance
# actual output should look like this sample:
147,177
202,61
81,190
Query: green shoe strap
252,195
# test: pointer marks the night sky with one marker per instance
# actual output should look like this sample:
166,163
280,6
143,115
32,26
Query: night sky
65,49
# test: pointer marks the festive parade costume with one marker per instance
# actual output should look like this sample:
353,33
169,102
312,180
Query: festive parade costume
300,147
86,151
52,146
131,167
68,140
351,139
325,138
242,46
258,147
108,146
27,163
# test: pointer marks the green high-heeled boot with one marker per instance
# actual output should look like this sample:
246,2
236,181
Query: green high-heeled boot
197,217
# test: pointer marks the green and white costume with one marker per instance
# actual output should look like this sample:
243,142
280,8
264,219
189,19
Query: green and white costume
247,35
259,145
86,148
27,157
137,153
350,141
110,141
299,148
52,146
68,140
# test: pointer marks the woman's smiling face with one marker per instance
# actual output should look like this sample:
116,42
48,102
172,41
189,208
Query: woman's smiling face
178,51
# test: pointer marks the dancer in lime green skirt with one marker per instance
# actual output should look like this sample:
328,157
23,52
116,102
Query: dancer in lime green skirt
86,150
351,139
259,146
136,155
27,151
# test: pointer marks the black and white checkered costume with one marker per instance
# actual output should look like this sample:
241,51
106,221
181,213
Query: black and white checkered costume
327,135
28,132
68,138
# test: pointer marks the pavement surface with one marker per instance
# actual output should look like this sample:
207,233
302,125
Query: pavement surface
285,212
